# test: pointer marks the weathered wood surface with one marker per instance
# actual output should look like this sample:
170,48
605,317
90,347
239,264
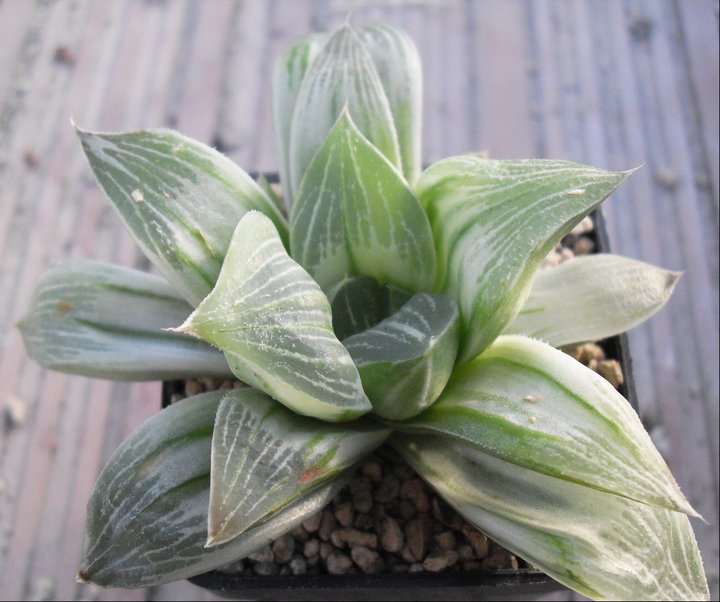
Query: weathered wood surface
612,83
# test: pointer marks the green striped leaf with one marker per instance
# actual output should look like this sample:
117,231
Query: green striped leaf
148,514
592,297
289,71
264,458
604,546
274,324
180,200
534,406
342,74
493,222
406,360
398,65
106,321
355,214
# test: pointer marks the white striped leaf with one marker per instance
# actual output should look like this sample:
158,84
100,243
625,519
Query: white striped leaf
406,360
398,64
147,516
288,73
106,321
264,457
355,214
493,222
604,546
274,324
534,406
180,200
342,74
357,303
592,297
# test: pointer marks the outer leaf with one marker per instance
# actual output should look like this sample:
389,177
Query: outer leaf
178,198
356,215
342,74
534,406
604,546
406,360
102,320
274,324
288,74
398,64
147,516
264,457
592,297
493,222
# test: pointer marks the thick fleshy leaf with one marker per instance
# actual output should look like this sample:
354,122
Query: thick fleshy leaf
342,74
106,321
398,64
274,324
179,198
147,516
532,405
289,71
604,546
406,360
355,214
493,222
592,297
264,457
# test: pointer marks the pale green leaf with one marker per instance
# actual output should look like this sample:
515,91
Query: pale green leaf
106,321
147,516
530,404
264,457
398,64
406,360
289,71
592,297
180,200
357,303
342,74
604,546
274,324
271,192
355,214
493,222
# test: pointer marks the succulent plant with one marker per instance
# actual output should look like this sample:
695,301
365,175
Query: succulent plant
394,305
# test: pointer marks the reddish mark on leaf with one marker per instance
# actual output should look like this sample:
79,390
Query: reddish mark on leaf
311,473
63,307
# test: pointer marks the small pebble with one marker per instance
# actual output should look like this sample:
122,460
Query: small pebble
465,552
311,548
414,491
477,540
327,525
391,535
445,540
298,565
417,535
312,524
440,560
283,549
373,471
388,490
416,567
368,560
364,522
354,537
361,493
344,514
325,550
584,246
338,563
611,371
264,554
266,568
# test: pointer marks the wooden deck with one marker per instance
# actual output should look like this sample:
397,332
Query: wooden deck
612,83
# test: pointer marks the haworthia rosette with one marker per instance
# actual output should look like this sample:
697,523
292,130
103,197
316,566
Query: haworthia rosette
264,457
106,321
406,360
534,406
493,223
179,198
355,214
604,546
592,297
148,514
342,74
274,324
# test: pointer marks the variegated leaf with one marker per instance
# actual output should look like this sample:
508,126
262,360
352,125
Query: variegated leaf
106,321
147,516
398,64
274,324
357,303
405,361
356,215
180,200
604,546
342,74
493,222
264,457
289,71
592,297
532,405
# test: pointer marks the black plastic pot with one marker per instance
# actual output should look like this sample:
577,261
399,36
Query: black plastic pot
521,584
